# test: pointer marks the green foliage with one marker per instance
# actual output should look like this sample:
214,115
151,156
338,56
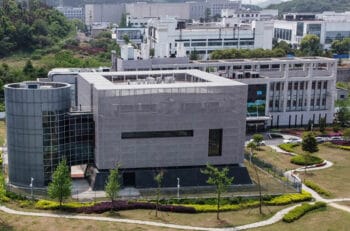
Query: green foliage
288,147
317,188
303,160
53,205
341,46
309,143
61,184
257,138
158,178
26,30
3,196
311,6
290,198
346,133
194,55
229,207
322,124
310,45
245,53
329,144
220,179
112,185
301,210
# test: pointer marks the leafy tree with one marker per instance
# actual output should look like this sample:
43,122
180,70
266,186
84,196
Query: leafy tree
220,179
341,47
61,185
194,55
28,69
158,178
346,134
112,185
310,45
343,116
126,39
322,125
258,138
252,147
309,143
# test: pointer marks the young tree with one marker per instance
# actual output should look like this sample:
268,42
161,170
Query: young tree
257,138
322,125
309,143
310,45
61,184
158,178
251,146
112,184
194,55
220,179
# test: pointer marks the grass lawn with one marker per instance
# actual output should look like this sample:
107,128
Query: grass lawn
282,161
2,132
329,220
336,178
16,222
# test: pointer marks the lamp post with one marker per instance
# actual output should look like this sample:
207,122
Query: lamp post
31,187
178,188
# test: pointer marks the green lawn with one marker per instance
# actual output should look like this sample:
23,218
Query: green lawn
334,179
329,220
2,132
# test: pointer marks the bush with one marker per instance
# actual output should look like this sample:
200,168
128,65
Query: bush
299,211
300,160
288,147
70,206
227,207
125,205
317,188
290,198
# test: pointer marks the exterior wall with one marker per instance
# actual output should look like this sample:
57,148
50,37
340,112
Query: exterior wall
185,111
343,74
145,10
25,135
103,13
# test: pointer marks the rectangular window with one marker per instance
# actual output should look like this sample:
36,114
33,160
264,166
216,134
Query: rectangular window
215,142
157,134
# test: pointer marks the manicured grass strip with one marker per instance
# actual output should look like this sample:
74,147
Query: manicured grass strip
301,160
317,188
301,210
288,147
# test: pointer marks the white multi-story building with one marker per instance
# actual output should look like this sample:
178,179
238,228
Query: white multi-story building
167,35
281,91
184,10
71,12
111,13
328,26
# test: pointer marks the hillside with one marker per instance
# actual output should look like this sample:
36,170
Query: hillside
312,6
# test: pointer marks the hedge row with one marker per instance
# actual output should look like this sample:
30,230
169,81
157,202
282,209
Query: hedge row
300,160
233,207
52,205
331,145
288,147
299,211
290,198
317,188
125,205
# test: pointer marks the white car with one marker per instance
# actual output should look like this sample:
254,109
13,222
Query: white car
261,143
292,140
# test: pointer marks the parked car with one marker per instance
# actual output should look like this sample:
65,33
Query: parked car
320,139
334,138
292,140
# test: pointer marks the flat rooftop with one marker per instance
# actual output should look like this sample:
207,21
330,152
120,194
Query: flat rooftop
155,79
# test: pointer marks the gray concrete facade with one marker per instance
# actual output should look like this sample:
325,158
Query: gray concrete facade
25,105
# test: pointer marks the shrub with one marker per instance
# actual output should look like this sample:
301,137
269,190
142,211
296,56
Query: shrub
125,205
317,188
300,160
227,207
288,147
70,206
290,198
299,211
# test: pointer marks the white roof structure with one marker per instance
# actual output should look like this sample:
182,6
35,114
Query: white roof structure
155,79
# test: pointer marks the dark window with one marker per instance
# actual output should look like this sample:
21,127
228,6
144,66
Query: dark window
215,142
129,178
156,134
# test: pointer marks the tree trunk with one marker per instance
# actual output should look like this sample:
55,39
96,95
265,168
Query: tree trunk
218,206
